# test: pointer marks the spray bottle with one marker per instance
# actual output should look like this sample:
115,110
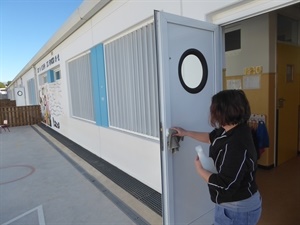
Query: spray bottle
207,162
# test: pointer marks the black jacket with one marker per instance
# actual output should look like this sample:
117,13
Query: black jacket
235,158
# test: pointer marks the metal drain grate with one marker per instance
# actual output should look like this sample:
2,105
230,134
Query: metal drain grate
140,191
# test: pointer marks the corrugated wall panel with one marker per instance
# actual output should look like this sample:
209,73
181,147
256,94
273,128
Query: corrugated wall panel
132,82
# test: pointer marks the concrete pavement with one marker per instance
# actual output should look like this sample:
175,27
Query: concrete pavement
42,182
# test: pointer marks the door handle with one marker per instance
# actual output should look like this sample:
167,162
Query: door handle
173,141
280,102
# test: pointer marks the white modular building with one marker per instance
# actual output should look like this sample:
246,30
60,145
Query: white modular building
118,74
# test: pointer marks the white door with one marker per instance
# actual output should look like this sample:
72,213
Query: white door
20,96
185,97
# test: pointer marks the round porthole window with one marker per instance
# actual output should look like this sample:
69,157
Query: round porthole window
192,71
19,93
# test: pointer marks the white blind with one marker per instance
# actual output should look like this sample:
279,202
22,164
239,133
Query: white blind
32,92
81,87
132,82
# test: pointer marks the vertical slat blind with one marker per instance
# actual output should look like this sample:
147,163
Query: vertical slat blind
81,87
42,79
132,82
32,92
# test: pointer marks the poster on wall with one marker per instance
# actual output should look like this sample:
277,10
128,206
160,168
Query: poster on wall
234,84
251,82
51,104
44,102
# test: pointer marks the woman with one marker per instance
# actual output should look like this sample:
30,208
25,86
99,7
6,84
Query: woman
233,189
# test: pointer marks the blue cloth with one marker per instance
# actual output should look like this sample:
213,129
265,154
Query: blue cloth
262,135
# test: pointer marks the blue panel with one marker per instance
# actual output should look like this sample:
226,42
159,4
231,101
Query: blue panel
99,85
50,76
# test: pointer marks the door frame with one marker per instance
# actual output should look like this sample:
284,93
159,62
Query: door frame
242,10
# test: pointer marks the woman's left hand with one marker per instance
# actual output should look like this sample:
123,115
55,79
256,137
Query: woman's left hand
198,164
200,170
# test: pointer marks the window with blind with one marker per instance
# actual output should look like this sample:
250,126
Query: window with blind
42,79
132,85
32,92
81,93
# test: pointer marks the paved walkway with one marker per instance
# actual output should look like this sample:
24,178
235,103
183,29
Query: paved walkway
42,182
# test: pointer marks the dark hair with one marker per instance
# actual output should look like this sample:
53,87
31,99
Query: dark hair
229,107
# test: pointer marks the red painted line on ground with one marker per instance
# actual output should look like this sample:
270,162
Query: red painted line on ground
32,169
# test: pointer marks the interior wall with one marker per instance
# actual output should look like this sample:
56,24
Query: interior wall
254,46
262,102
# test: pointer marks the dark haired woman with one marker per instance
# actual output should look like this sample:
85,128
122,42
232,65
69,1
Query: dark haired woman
233,189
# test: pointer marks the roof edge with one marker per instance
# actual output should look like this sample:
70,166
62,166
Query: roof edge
82,14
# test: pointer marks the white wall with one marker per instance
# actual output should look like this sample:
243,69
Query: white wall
254,39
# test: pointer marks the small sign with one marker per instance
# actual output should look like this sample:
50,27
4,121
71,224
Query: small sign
234,84
251,82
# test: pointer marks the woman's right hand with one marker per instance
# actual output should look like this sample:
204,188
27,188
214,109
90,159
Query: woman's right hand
180,131
199,136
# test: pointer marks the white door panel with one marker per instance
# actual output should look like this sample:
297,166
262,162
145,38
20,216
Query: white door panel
185,195
20,96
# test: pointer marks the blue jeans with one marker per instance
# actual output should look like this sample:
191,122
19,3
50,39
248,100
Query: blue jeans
225,216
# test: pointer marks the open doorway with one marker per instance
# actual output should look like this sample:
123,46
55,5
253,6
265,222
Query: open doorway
262,57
